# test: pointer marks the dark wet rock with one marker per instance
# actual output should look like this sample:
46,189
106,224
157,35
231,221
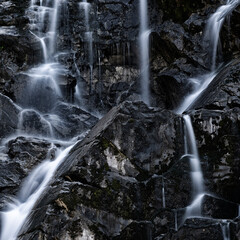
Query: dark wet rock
170,87
137,230
219,208
181,11
230,36
196,228
70,120
29,151
8,116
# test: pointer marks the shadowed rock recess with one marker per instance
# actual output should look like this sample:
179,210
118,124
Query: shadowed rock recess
70,76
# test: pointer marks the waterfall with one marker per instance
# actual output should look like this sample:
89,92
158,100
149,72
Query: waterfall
53,27
89,39
225,229
196,172
214,26
212,32
43,78
144,51
17,212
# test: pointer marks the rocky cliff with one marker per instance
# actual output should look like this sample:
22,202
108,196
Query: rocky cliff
127,176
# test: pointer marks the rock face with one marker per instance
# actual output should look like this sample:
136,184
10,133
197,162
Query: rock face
18,158
128,178
8,116
120,173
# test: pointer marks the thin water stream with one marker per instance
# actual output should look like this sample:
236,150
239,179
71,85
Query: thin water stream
144,51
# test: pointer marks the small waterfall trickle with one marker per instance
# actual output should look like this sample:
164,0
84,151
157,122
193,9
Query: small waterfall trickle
163,194
176,220
214,26
200,83
100,76
89,39
78,94
196,172
225,226
144,51
53,28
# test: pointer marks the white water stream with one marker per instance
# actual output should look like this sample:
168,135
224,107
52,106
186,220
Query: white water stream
214,26
196,172
144,51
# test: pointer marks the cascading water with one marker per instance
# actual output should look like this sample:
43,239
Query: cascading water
89,38
201,83
43,77
16,214
214,26
212,32
43,24
144,51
